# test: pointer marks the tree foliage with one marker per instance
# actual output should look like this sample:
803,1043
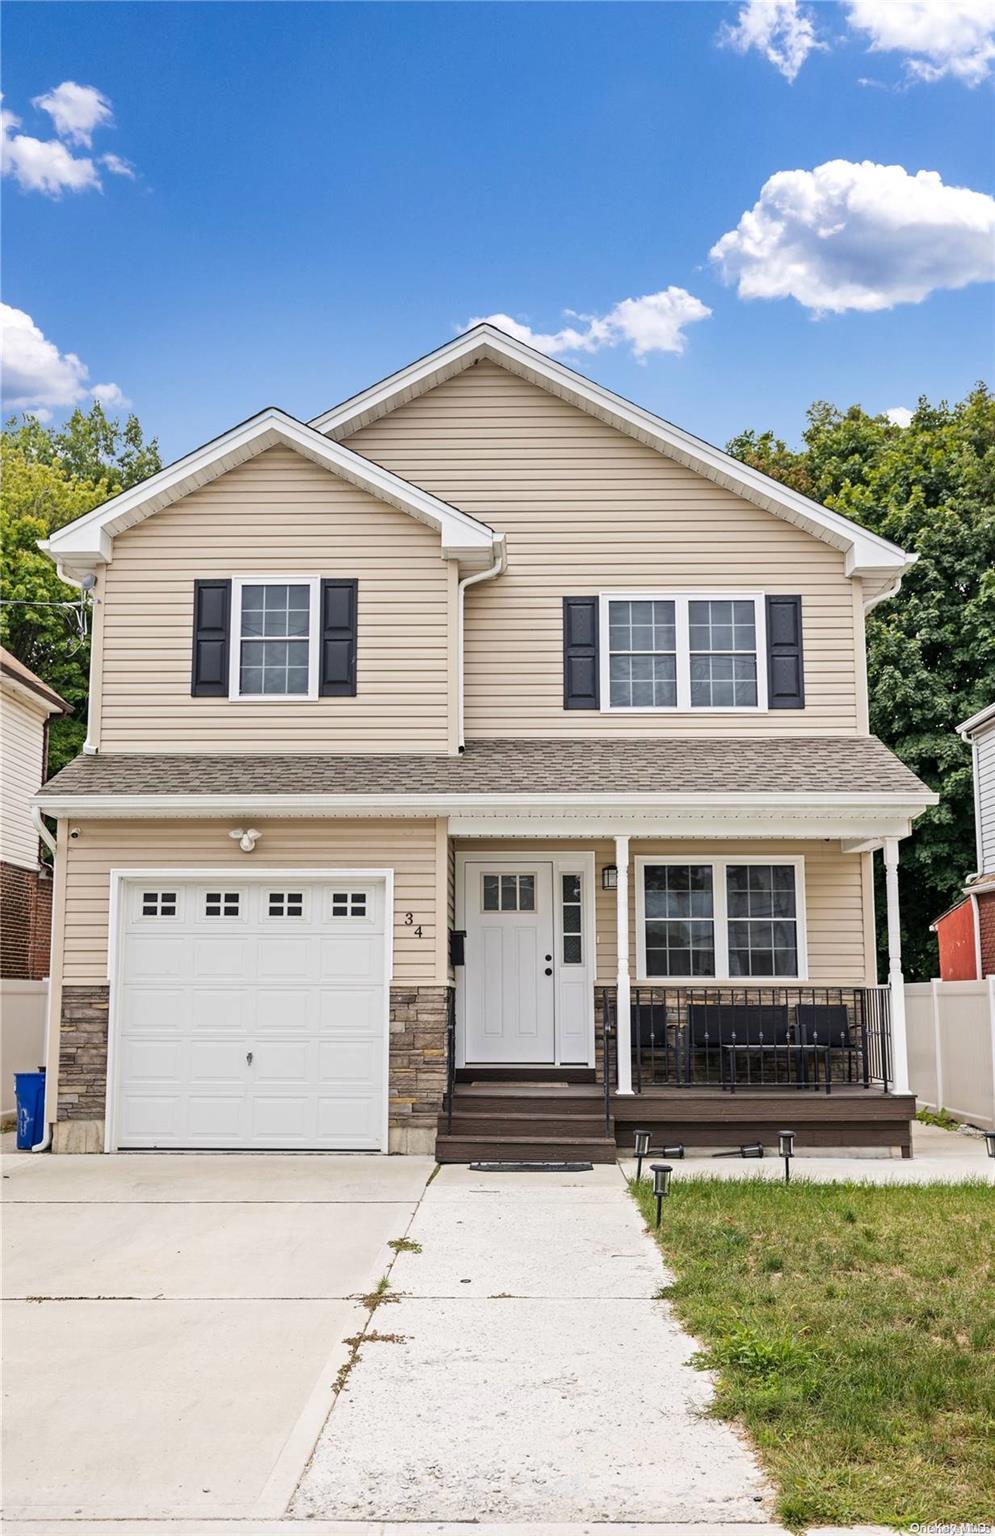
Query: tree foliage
49,476
929,487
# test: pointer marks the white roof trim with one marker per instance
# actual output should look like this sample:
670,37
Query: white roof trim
982,721
867,554
88,540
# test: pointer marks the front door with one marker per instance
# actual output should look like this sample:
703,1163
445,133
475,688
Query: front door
509,977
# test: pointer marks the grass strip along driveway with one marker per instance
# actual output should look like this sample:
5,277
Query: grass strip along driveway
852,1328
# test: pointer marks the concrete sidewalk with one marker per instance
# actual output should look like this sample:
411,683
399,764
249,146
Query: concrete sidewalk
528,1375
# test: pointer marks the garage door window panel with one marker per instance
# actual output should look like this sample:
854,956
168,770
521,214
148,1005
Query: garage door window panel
159,903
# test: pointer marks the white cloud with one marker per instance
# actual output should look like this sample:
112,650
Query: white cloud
778,29
47,165
110,395
36,376
941,37
899,415
42,165
653,323
118,167
75,110
858,236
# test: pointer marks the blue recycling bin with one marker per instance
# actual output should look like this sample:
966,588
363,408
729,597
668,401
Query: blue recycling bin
29,1091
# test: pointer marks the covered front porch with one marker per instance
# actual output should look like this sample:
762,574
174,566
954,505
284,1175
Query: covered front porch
710,988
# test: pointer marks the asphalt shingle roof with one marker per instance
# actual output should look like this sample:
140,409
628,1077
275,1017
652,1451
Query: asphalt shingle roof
793,765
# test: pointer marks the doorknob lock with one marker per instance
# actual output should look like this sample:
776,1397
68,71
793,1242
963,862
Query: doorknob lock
549,970
549,957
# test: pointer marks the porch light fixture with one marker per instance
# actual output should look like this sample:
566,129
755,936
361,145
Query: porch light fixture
662,1173
609,877
640,1147
786,1147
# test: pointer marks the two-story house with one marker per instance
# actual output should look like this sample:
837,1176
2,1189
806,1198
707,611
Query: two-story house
485,759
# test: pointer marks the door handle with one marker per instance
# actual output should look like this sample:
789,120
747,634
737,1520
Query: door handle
248,1058
549,970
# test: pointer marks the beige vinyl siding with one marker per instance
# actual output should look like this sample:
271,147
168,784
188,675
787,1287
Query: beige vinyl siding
407,847
588,509
278,515
834,894
22,734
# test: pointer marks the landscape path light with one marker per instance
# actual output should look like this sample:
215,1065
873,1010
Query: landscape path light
990,1145
662,1173
786,1147
640,1146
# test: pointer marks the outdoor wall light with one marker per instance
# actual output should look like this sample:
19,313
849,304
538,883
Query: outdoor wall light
609,877
786,1147
640,1147
662,1173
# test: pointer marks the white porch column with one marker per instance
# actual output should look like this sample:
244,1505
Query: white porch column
896,981
623,1016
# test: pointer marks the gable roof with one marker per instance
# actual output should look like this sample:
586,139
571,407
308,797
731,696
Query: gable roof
88,541
24,681
866,554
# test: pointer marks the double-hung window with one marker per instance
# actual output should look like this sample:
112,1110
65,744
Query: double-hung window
682,651
720,919
274,652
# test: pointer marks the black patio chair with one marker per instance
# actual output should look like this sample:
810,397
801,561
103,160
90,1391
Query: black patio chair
727,1033
827,1025
656,1053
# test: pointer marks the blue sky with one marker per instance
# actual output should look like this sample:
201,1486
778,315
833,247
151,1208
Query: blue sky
322,192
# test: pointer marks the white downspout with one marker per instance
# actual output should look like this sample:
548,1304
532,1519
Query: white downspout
38,822
471,581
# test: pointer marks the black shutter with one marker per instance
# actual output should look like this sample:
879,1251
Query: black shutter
580,653
785,665
211,616
338,638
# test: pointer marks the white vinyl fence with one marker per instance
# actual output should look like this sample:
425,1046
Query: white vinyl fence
951,1035
22,1033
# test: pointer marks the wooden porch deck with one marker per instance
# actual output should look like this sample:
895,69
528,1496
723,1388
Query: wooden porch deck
850,1116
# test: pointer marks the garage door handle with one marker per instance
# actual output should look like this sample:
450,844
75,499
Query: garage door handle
248,1057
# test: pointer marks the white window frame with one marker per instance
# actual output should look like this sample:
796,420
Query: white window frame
235,639
681,600
718,863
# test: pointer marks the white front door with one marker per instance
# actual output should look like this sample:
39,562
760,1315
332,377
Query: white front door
509,964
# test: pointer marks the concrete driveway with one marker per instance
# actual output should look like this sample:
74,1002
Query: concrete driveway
174,1324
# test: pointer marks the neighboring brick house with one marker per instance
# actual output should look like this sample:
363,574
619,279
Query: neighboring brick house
26,707
965,933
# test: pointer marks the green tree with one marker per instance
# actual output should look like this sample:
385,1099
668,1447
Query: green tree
50,476
930,487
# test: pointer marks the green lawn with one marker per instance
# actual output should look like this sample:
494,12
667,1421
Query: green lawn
853,1331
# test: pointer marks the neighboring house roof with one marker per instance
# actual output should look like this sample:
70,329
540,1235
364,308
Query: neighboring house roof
26,681
678,769
86,542
983,721
866,554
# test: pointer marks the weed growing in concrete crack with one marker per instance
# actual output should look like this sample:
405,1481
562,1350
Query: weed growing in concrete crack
404,1245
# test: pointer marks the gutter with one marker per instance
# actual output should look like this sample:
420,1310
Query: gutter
471,581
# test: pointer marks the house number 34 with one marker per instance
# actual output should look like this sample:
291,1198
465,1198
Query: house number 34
409,921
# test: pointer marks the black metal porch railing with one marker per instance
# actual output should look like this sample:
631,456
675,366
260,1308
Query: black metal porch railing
729,1037
450,1056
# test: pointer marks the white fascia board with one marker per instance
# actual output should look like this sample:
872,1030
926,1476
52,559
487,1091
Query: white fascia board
88,540
774,808
866,553
977,725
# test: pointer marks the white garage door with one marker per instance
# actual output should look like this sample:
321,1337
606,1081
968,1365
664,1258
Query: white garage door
251,1013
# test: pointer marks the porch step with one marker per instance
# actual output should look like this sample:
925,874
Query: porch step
528,1099
510,1123
524,1149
